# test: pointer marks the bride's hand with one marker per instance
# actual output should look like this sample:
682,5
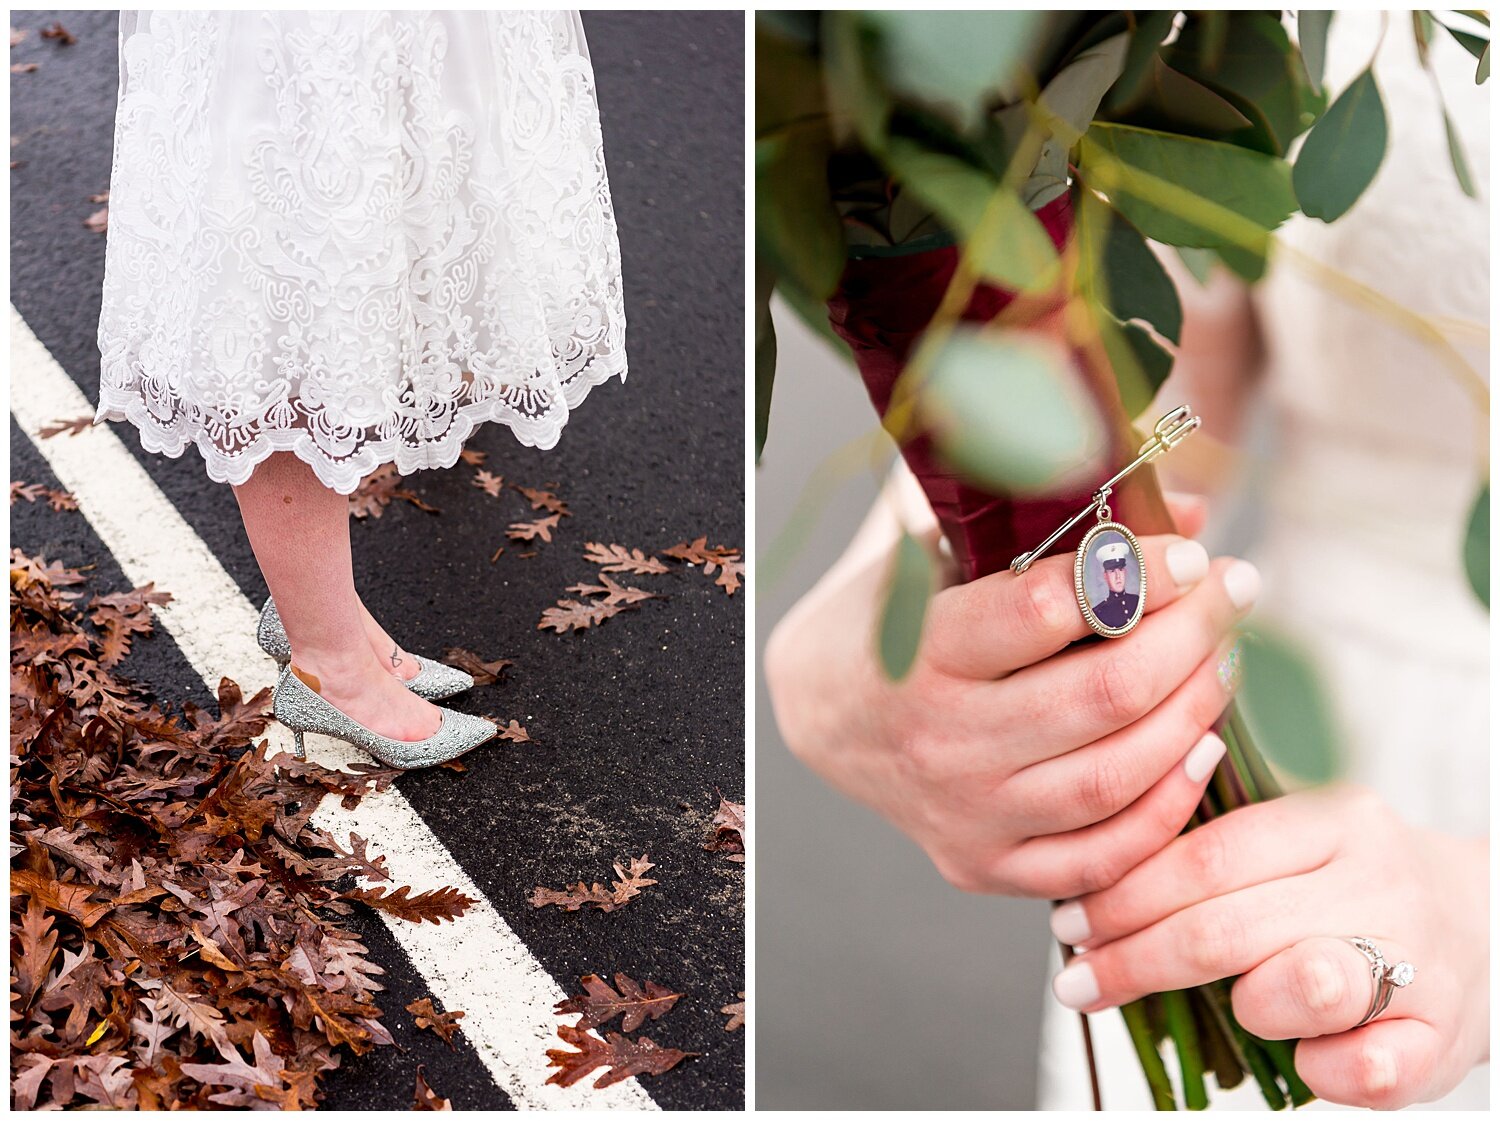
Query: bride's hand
1272,892
1019,767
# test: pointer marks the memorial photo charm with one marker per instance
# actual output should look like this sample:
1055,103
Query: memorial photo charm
1109,576
1109,573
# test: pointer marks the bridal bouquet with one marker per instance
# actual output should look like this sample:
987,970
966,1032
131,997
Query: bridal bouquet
938,191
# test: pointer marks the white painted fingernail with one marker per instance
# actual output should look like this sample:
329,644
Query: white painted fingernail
1242,582
1187,563
1070,925
1075,987
1204,757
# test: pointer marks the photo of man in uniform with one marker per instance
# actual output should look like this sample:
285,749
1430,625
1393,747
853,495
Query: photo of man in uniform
1117,608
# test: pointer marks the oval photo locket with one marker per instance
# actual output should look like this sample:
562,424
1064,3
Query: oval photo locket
1109,577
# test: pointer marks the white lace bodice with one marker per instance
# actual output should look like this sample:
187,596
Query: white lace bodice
355,235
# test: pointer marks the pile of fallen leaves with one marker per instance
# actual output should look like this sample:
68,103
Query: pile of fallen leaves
175,935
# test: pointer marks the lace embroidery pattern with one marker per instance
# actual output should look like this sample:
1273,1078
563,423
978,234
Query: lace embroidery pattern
355,236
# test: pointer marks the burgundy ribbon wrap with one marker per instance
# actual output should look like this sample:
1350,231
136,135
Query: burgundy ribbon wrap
881,308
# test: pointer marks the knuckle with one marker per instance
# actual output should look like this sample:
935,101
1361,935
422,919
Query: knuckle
1320,984
925,756
1045,609
1095,873
1214,939
1123,690
1034,881
1377,1076
1102,789
961,874
1207,855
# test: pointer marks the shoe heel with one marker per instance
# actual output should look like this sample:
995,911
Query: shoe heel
298,747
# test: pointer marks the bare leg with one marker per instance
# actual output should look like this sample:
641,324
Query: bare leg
299,530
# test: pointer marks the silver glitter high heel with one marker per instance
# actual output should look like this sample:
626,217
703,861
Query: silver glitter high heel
433,682
301,710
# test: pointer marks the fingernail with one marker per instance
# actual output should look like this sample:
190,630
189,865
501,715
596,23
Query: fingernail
1070,925
1229,668
1204,757
1242,582
1075,986
1187,563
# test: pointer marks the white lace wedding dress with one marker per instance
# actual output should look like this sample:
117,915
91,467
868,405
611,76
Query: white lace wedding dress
355,236
1377,458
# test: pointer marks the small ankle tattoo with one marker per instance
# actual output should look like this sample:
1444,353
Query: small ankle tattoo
395,657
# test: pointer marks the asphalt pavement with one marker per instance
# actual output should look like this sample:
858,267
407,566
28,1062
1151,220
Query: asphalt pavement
635,723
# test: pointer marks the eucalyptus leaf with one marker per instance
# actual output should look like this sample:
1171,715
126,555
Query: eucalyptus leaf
1477,547
1474,44
857,99
1457,156
1342,153
1136,284
1283,699
765,352
1483,70
1253,65
1191,104
1009,245
797,26
1145,37
1199,262
1141,364
796,225
1181,190
1312,38
906,599
1423,29
1008,411
1247,264
957,61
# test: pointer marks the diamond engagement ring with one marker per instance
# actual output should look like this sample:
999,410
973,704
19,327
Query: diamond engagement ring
1385,977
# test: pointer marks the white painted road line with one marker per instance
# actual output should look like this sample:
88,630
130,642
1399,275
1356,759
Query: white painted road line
477,963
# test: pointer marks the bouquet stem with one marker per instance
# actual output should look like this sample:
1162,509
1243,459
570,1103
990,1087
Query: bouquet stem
1184,1033
1138,1023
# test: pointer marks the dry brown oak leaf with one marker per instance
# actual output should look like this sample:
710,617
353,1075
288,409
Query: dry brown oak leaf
729,830
736,1014
378,490
613,592
483,672
617,558
626,1057
544,500
530,531
600,1004
444,1024
626,887
71,427
431,906
571,615
426,1098
728,561
490,483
